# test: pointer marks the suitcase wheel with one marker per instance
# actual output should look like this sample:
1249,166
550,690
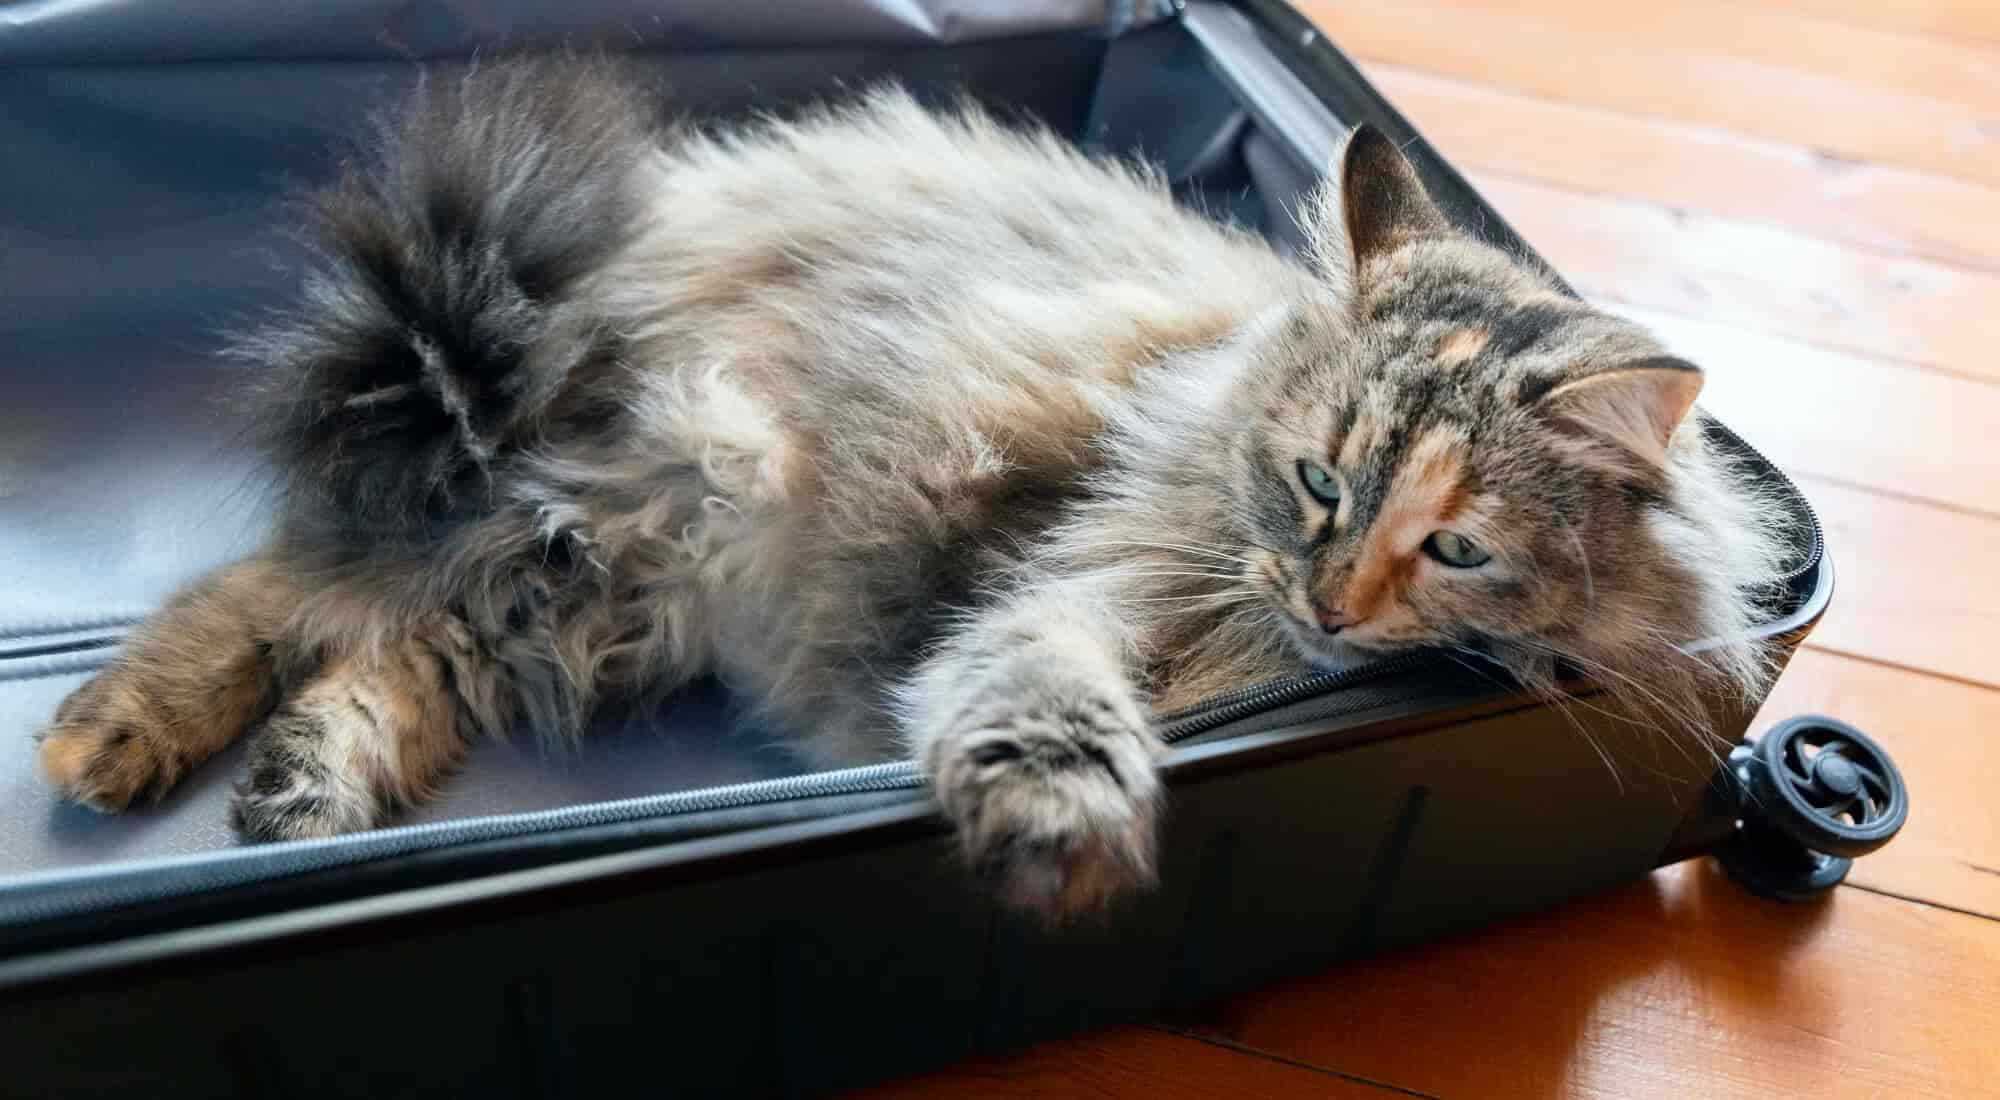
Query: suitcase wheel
1814,793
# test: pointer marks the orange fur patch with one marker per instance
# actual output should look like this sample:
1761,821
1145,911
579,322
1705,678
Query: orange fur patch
1462,346
1379,579
1428,492
1155,335
64,758
190,680
1539,296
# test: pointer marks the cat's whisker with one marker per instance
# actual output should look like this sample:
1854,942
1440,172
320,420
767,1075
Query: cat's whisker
1223,585
1453,649
1229,577
1589,665
1666,710
1180,547
1558,702
1583,559
1562,703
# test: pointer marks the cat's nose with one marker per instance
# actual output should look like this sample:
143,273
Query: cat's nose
1332,620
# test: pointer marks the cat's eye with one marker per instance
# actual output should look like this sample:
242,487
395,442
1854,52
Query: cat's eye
1320,482
1455,550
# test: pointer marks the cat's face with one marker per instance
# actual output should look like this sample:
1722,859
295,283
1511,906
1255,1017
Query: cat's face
1454,450
1423,492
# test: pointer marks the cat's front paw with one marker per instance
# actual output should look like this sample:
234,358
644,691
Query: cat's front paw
310,769
106,749
1056,804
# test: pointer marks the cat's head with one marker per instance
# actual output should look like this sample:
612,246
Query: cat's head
1446,448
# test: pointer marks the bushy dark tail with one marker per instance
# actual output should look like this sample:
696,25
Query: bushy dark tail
447,303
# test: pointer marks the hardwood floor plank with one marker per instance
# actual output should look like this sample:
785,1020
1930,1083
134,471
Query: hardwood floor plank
1597,151
1908,432
1616,68
1130,1062
1941,735
1682,986
1796,40
1910,588
1970,19
1758,277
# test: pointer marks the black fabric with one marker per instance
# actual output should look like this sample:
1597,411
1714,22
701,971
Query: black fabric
119,32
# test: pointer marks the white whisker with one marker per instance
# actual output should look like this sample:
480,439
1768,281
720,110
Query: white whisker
1177,547
1228,597
1583,558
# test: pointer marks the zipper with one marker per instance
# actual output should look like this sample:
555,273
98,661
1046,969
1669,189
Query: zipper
1213,714
67,893
1804,503
161,880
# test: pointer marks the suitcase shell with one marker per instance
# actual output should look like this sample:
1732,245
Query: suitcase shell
554,927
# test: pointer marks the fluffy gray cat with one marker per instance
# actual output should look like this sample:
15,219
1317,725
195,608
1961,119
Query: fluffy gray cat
926,434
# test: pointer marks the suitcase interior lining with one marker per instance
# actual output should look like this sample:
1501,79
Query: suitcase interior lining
130,476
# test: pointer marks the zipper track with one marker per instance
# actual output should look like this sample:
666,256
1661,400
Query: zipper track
65,893
1249,702
1805,506
161,880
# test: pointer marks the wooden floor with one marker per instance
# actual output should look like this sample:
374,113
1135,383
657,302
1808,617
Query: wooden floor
1804,195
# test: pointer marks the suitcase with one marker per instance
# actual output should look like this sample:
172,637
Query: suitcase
675,902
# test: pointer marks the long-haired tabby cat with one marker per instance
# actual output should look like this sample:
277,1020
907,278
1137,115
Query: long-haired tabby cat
920,431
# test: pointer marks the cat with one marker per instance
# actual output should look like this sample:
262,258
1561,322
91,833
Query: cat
928,434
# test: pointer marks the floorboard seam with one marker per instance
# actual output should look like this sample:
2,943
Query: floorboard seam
1899,666
1894,494
1915,900
1259,1052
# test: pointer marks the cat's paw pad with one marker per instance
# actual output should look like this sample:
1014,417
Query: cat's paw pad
1058,809
290,793
264,818
105,751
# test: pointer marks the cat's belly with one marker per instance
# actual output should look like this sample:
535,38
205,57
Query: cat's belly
808,560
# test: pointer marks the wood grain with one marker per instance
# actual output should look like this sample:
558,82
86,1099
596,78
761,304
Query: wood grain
1912,586
1882,58
1684,986
1760,277
1941,735
1130,1062
1973,19
1845,418
1541,53
1598,151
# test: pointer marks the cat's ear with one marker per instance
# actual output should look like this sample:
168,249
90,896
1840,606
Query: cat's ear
1372,204
1637,405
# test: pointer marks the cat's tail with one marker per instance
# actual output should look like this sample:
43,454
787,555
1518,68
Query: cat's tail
452,291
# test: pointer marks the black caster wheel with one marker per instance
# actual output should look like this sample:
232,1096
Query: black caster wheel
1815,793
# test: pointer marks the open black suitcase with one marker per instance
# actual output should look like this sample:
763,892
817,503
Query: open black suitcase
675,904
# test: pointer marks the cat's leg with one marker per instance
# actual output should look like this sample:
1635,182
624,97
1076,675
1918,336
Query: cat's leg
368,735
188,681
1037,745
